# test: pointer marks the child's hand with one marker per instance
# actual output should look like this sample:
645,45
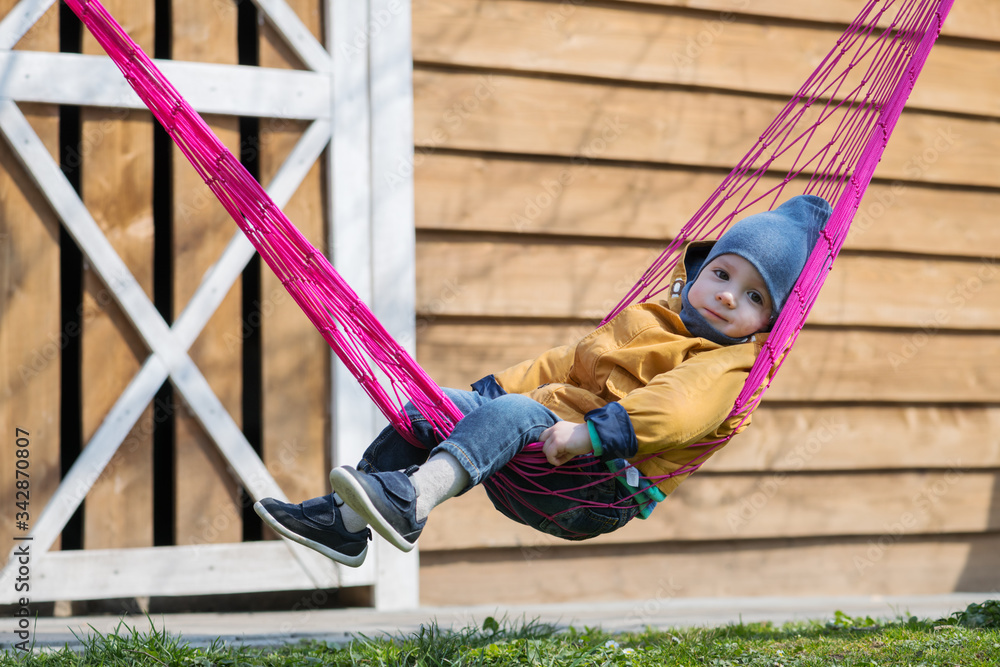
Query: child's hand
564,440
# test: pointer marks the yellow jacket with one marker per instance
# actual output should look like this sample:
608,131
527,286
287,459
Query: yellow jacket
645,384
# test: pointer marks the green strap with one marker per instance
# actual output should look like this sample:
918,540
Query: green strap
647,495
595,440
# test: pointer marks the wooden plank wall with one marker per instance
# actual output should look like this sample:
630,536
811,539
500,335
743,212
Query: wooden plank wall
558,144
207,507
116,159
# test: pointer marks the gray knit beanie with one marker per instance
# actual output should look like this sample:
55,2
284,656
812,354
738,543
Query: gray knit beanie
777,243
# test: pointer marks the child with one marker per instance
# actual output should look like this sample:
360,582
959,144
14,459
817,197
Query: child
645,387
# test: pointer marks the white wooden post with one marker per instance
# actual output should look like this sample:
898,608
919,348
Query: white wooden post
393,263
371,231
350,233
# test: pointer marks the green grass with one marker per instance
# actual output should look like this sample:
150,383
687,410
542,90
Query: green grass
970,637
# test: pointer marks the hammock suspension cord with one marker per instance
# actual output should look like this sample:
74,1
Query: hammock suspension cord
827,141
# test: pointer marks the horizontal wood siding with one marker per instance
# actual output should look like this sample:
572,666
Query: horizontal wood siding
718,506
837,364
560,146
974,18
461,110
644,45
653,574
489,277
468,192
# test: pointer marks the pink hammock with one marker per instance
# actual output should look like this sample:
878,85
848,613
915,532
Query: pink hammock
826,141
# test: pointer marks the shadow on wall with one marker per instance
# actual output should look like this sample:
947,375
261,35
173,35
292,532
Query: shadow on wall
982,568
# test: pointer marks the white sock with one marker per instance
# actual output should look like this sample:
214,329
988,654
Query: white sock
440,478
352,520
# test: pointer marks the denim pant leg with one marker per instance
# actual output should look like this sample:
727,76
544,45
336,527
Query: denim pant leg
583,502
579,500
391,451
490,435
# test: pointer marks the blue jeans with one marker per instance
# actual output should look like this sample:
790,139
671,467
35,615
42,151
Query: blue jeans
579,500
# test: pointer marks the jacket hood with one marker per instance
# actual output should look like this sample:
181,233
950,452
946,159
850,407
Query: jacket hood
692,259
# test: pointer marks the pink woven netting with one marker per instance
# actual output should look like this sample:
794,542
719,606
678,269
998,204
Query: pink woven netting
826,141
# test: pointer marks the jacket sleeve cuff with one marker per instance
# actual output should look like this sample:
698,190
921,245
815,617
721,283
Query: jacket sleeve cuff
488,387
611,431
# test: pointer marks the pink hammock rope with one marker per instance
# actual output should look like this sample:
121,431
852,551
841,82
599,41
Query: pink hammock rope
344,321
826,141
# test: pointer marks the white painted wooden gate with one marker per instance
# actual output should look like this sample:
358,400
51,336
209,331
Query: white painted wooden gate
357,93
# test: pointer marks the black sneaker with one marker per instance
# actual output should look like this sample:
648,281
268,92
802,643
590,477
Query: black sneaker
386,500
317,524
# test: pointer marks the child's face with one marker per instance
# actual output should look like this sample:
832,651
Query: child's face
731,294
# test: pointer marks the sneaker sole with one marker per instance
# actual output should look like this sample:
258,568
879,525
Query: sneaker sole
344,559
352,493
